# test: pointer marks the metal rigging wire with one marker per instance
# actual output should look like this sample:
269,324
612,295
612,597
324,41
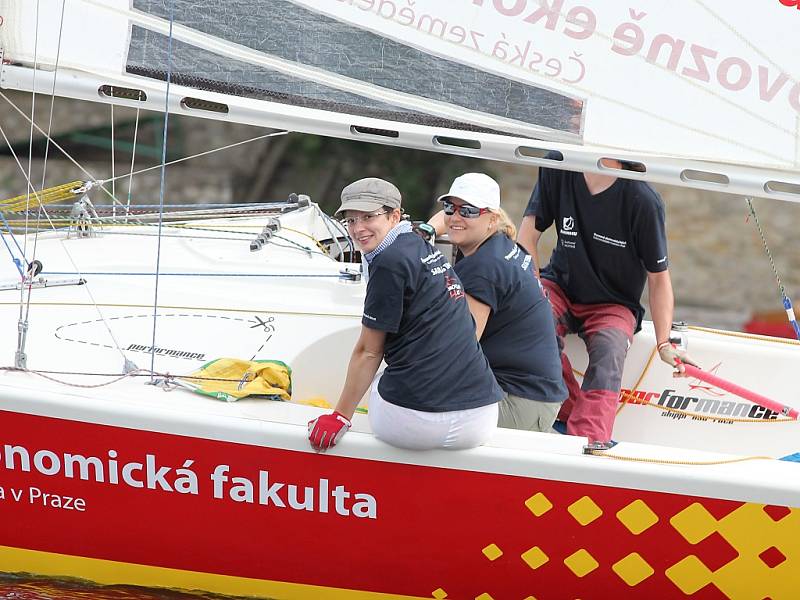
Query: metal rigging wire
787,303
162,183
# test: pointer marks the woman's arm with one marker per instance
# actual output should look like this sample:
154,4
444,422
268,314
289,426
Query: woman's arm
325,431
437,222
364,362
480,312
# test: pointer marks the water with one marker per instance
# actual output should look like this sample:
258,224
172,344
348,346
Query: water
13,587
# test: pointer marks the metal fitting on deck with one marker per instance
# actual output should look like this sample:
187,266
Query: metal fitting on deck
595,447
350,275
81,217
261,239
679,335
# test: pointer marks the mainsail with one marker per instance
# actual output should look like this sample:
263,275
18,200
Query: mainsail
701,94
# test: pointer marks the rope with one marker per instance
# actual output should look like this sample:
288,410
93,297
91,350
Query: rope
304,234
162,182
787,303
113,154
57,193
353,315
17,262
663,461
133,159
191,274
249,207
47,143
13,239
199,154
30,146
334,237
745,336
47,374
631,394
43,375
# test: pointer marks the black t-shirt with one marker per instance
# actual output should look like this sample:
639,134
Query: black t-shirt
434,362
606,243
519,338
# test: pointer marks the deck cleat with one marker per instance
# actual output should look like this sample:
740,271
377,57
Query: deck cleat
593,447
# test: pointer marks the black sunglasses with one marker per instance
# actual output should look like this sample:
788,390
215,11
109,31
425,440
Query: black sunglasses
465,210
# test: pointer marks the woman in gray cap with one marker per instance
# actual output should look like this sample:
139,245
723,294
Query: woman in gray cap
437,390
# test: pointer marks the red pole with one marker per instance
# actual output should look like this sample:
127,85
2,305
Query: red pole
728,386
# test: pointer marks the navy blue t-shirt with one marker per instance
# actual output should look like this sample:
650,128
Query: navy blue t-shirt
519,339
607,243
434,362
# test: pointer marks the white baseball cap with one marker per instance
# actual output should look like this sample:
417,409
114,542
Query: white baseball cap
477,189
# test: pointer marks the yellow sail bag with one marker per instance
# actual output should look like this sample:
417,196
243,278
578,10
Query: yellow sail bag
232,378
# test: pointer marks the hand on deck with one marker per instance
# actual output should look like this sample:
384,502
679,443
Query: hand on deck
324,432
674,357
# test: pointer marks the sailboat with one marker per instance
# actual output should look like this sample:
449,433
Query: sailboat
114,470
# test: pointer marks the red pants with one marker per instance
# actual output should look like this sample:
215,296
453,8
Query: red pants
607,331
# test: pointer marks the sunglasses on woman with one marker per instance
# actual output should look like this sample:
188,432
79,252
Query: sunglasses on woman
465,210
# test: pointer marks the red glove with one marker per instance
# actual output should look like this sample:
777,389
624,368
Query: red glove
325,431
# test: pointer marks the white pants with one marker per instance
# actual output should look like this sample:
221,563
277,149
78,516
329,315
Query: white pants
420,430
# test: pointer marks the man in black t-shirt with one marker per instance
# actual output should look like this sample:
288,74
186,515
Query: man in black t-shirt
611,239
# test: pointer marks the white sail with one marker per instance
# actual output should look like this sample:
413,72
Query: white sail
683,87
700,495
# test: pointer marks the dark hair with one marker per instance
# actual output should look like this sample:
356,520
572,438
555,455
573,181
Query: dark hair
390,209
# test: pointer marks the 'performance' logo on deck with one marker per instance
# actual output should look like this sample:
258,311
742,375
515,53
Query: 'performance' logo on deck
166,352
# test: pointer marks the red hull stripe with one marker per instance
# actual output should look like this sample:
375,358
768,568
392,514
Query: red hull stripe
159,505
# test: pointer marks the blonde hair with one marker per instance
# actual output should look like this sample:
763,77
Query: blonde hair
504,224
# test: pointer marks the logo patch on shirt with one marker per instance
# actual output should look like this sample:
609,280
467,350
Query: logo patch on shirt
453,287
568,226
432,257
610,241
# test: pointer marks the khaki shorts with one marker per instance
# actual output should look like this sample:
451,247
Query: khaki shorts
529,415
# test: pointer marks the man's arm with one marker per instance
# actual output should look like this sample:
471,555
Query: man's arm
528,237
662,305
364,362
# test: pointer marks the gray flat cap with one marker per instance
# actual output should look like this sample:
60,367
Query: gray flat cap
368,195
